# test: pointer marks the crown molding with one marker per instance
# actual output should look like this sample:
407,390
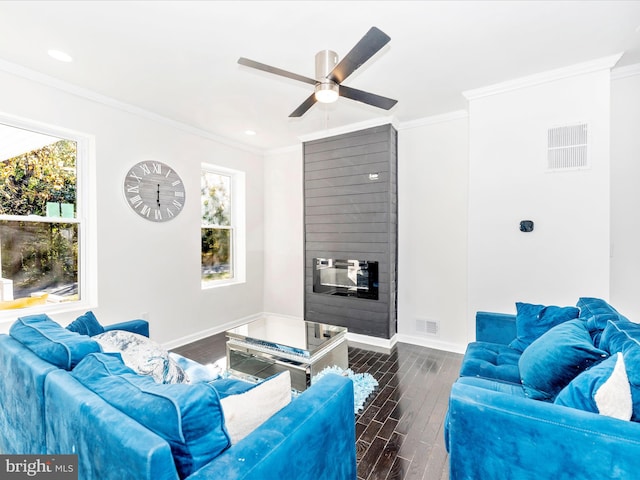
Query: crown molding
626,71
34,76
297,148
543,77
353,127
435,119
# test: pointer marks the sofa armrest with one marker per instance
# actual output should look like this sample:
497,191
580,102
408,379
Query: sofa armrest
495,327
110,445
141,327
499,436
311,438
21,398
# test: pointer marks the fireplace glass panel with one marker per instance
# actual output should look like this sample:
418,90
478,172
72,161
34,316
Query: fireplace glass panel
348,278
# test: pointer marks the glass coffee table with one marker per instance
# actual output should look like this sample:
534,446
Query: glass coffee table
268,346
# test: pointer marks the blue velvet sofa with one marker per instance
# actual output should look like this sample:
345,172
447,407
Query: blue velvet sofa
542,394
51,402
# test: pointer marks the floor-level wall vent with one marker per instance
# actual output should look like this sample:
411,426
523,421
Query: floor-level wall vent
427,327
567,147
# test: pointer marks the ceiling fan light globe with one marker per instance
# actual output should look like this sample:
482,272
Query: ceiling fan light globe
327,92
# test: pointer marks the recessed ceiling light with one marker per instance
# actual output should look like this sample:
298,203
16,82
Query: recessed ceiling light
249,132
60,55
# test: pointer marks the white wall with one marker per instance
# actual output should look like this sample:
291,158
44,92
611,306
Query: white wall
432,230
567,255
432,202
284,233
465,184
625,191
142,266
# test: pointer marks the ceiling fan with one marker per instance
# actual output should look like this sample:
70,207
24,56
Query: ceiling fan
330,74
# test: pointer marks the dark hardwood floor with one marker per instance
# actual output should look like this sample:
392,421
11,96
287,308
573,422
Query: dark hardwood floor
399,434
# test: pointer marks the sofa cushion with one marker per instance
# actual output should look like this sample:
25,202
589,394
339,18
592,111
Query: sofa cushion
231,386
597,312
491,360
244,412
86,324
534,320
142,355
603,389
512,389
51,342
188,417
556,358
624,337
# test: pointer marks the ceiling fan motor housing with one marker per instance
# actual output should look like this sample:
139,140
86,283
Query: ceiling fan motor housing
326,60
326,91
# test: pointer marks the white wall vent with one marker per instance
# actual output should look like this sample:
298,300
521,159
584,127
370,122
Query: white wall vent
567,147
427,327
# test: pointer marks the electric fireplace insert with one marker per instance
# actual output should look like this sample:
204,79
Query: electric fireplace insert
347,278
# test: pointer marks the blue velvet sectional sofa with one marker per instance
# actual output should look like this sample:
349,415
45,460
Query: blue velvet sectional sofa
548,393
51,402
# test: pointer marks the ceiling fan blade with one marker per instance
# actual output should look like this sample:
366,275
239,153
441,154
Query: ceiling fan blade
277,71
306,105
366,97
366,48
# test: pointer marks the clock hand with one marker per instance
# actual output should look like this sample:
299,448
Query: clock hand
158,197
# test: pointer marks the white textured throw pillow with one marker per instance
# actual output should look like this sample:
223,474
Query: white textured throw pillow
613,398
142,355
246,411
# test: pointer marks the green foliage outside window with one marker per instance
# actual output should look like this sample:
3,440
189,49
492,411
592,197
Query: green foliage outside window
34,178
39,254
216,248
215,190
216,231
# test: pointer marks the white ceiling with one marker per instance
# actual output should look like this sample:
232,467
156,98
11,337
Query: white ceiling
178,59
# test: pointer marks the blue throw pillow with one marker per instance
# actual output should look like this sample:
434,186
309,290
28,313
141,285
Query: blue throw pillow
597,312
86,324
624,336
188,417
534,320
51,342
603,389
556,358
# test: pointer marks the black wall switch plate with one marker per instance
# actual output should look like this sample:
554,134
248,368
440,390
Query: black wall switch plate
526,226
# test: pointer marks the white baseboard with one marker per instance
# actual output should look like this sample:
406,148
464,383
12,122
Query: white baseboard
367,342
431,343
210,331
279,315
383,345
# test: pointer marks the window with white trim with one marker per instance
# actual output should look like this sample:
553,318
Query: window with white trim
43,238
222,222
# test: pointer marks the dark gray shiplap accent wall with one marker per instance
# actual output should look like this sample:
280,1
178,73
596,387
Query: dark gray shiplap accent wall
349,216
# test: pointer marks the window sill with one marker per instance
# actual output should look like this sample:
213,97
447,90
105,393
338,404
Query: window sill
220,283
9,316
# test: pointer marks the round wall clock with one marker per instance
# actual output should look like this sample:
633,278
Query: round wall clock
154,191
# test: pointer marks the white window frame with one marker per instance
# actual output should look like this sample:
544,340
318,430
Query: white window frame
238,226
85,217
